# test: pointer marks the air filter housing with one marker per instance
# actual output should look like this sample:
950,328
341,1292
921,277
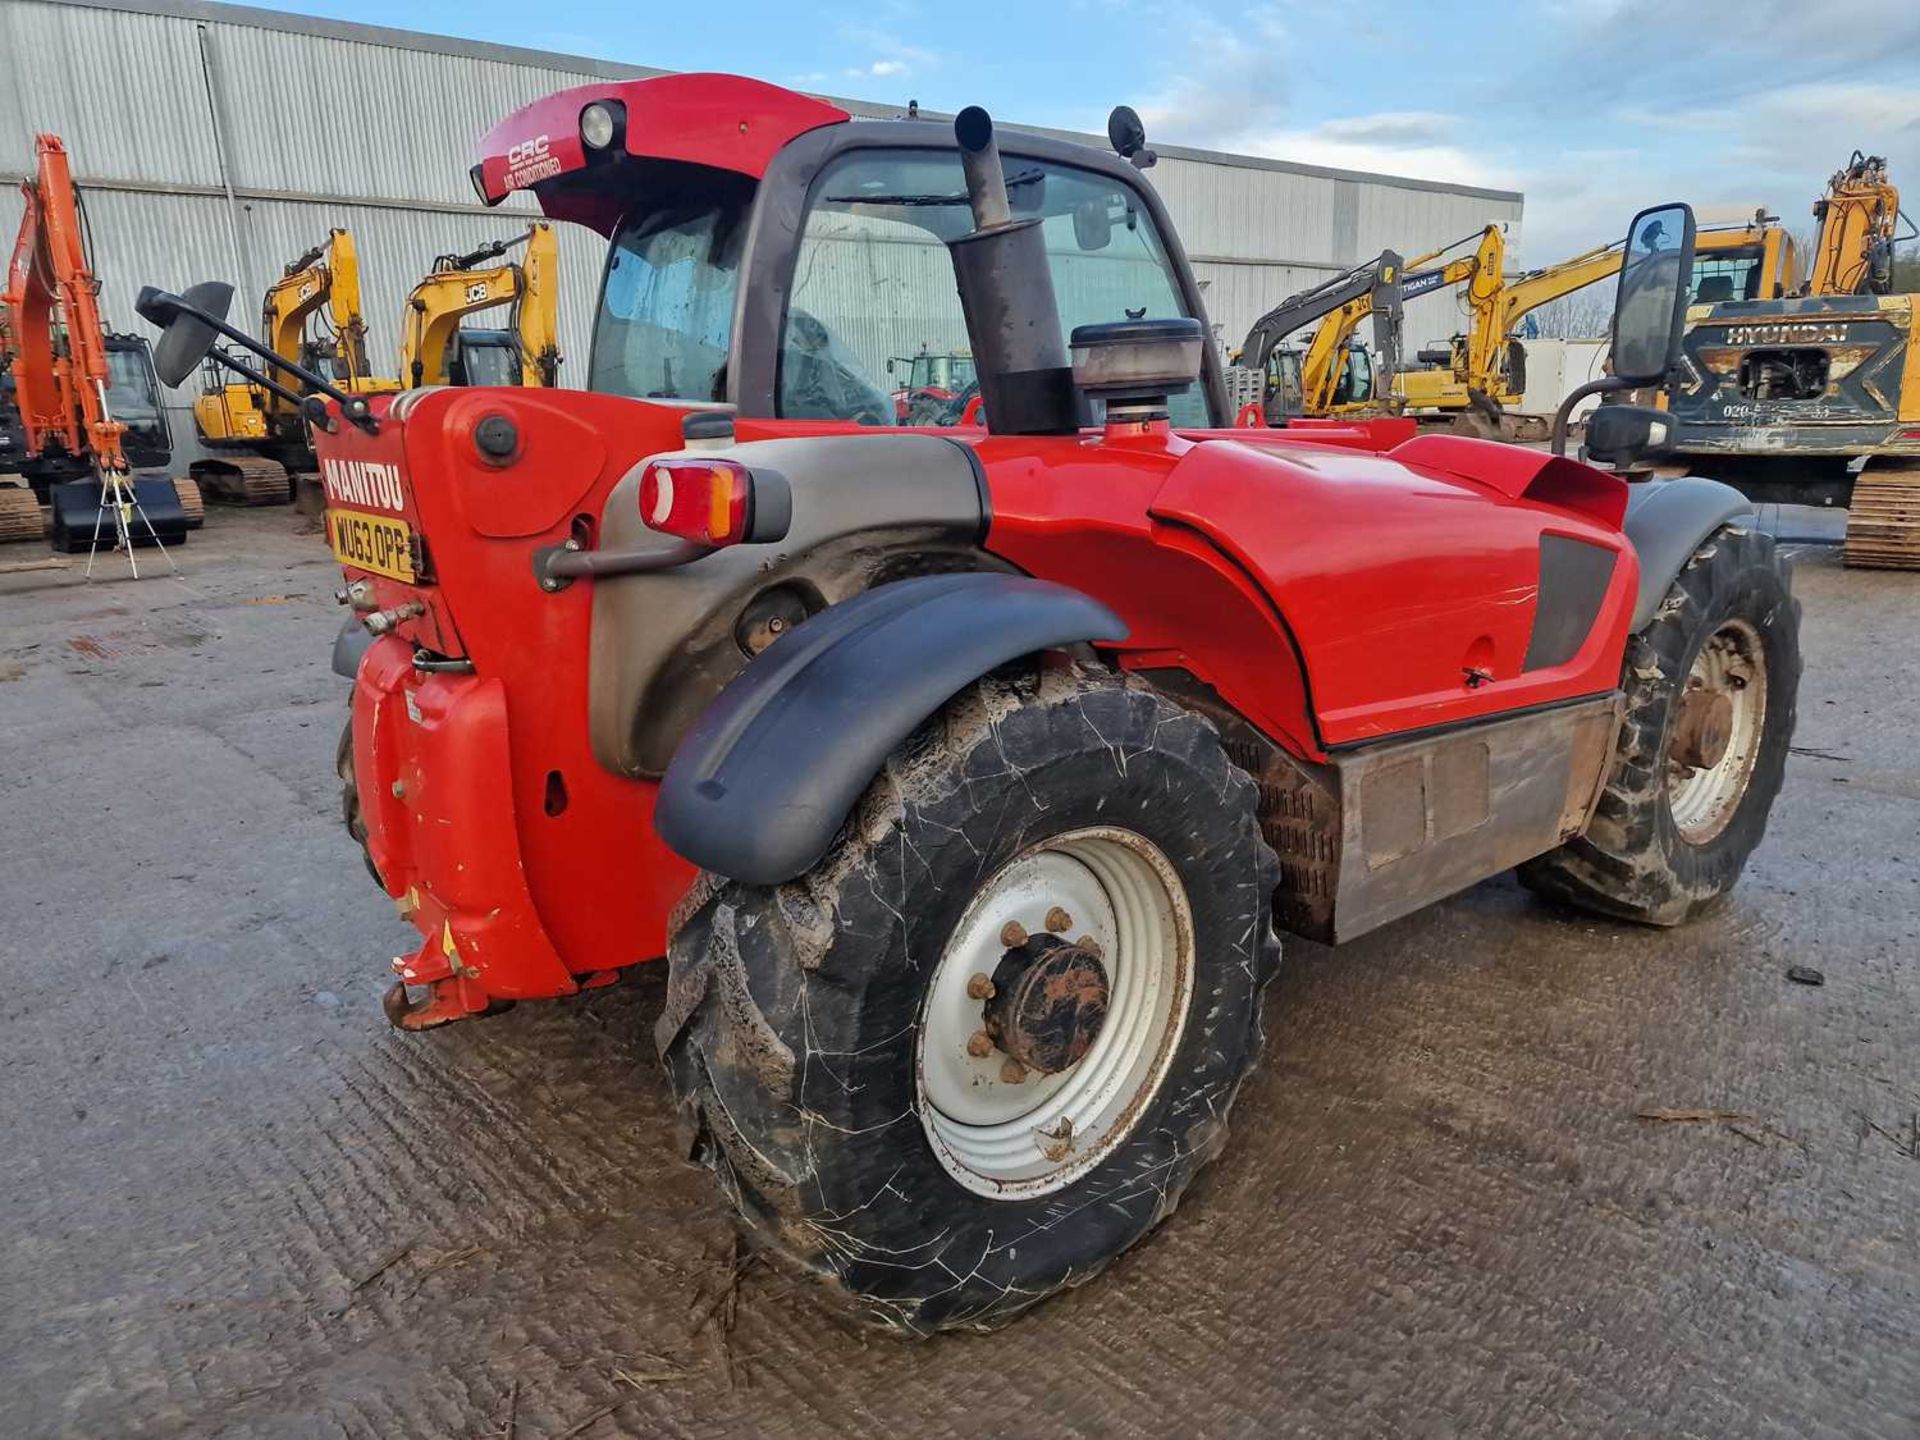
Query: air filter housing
1134,365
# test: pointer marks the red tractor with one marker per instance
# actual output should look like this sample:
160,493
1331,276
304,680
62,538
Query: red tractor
962,776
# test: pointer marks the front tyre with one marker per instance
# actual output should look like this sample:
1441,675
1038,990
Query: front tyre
986,1044
1710,686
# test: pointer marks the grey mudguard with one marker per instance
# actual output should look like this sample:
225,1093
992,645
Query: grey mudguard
764,778
350,647
1667,520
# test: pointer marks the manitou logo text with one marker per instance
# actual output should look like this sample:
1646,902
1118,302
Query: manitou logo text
529,162
363,482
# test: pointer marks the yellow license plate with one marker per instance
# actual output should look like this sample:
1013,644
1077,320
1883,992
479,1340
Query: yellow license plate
369,542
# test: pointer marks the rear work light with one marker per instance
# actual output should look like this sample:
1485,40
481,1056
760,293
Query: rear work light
714,501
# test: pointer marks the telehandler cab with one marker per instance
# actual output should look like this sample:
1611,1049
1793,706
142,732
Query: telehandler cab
962,775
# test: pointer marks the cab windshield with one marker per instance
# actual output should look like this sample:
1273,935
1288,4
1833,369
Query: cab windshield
873,282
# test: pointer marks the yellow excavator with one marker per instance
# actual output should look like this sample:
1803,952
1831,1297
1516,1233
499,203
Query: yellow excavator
257,433
1269,379
436,349
1816,399
1858,216
1332,376
1482,373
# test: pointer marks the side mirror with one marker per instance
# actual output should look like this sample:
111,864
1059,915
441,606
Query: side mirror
1128,136
1650,309
1621,434
1092,224
185,337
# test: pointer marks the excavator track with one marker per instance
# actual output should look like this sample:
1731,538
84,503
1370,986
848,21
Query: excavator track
1883,520
191,501
20,517
242,480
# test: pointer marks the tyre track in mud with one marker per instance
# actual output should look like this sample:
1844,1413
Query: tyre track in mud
241,1206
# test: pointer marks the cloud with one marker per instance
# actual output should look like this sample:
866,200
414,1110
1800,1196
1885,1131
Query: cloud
1227,82
1335,144
1390,127
894,57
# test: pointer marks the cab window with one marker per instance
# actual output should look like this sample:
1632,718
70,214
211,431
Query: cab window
873,311
666,303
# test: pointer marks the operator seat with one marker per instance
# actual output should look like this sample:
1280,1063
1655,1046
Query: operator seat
1713,289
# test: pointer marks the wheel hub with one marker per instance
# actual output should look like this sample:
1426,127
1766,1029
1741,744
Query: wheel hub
1049,1002
1703,728
1718,723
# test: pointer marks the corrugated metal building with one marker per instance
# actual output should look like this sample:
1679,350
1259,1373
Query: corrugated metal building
220,141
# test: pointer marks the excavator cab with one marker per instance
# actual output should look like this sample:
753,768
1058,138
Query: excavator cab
133,395
483,357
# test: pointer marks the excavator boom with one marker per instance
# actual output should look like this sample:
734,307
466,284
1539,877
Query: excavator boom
60,389
432,351
1859,219
66,371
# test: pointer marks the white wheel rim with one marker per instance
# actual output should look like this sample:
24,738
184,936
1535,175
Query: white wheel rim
1035,1136
1702,799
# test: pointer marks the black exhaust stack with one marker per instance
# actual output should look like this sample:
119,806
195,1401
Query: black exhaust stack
1006,291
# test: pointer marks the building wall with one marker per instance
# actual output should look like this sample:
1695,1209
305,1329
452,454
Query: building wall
313,123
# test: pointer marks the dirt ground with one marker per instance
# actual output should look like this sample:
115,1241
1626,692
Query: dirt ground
237,1204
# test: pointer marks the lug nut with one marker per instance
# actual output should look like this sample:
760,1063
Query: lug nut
979,987
1091,946
1059,921
1012,1073
1013,935
979,1044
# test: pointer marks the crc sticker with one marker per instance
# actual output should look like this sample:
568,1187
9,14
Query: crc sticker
530,162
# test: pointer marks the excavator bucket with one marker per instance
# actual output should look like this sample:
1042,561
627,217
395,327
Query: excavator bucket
81,522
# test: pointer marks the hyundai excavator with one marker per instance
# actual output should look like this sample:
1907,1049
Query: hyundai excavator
1816,399
436,349
1481,374
257,430
82,406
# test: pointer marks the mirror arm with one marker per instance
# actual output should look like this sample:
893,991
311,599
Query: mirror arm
1562,417
255,377
352,406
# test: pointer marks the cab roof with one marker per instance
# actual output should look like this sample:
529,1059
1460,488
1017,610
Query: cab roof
728,122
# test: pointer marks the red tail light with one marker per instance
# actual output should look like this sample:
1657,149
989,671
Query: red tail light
709,502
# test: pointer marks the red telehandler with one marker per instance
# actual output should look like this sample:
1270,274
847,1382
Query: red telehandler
82,408
962,775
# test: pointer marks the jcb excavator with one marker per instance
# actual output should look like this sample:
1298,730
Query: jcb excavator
1816,399
1272,382
259,431
435,349
1335,376
1482,374
82,407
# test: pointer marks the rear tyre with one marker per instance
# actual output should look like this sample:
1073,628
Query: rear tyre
356,823
1710,688
943,1157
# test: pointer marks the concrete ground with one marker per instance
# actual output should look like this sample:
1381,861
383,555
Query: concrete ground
237,1204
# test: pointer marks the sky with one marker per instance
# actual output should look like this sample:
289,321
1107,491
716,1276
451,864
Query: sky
1593,108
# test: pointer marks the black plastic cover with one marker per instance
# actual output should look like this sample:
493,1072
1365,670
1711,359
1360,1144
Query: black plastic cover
764,779
1667,520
